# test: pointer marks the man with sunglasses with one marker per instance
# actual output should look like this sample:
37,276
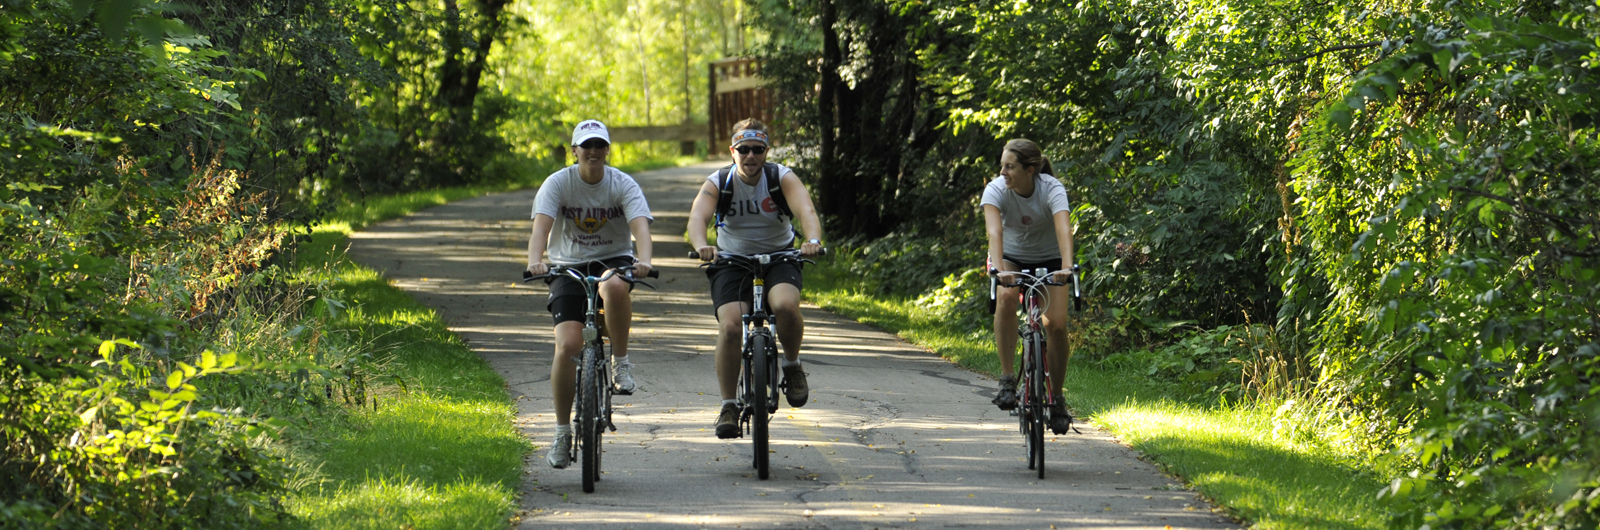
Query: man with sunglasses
754,215
586,213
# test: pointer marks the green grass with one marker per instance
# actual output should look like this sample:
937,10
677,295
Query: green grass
438,451
1230,454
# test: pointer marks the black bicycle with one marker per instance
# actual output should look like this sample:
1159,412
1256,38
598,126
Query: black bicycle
758,396
595,389
1033,392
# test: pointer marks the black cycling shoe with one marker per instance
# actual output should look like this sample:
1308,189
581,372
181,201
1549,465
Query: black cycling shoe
795,389
1060,419
728,422
1006,398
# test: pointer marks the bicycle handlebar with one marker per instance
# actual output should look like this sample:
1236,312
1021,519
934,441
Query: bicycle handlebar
695,254
1048,279
575,273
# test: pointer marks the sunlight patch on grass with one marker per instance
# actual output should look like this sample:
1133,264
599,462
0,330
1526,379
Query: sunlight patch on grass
1231,455
402,502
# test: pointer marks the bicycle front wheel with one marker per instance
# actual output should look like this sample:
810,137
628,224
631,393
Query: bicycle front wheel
589,420
1036,380
760,380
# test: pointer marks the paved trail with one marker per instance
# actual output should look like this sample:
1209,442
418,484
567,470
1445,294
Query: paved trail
894,437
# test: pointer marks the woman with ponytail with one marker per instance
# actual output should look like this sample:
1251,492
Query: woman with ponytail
1029,224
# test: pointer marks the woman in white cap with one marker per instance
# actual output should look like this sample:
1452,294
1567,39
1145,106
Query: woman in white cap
756,218
1029,224
585,213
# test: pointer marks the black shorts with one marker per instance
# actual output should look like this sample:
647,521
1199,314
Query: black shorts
731,283
1050,265
568,299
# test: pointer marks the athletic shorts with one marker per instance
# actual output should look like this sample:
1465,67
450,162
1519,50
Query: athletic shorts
568,299
1050,265
731,283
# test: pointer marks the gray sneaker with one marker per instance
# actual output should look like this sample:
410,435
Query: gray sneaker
622,378
560,454
1006,397
728,422
1060,419
795,388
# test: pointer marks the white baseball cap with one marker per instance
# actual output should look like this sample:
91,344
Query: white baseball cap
588,129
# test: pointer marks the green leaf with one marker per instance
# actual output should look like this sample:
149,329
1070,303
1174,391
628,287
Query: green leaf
88,415
174,380
114,17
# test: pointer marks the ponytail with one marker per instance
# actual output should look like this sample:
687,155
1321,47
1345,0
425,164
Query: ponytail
1030,155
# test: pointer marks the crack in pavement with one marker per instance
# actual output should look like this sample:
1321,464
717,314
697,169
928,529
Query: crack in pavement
956,381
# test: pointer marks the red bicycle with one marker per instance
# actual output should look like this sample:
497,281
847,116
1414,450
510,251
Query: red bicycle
1033,394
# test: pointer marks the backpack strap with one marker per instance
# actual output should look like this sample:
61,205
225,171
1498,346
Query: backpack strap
776,191
724,195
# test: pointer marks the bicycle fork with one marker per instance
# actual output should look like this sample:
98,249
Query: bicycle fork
756,322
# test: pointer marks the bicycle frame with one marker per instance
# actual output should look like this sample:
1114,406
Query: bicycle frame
592,400
1033,394
759,350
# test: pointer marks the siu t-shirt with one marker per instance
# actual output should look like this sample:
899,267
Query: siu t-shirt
1028,223
755,225
591,220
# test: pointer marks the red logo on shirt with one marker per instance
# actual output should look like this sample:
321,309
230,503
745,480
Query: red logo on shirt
1027,219
768,206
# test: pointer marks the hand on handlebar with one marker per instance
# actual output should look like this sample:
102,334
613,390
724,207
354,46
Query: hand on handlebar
1006,278
539,269
641,270
706,253
1063,276
809,249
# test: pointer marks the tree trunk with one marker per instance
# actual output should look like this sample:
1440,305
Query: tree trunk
459,79
830,183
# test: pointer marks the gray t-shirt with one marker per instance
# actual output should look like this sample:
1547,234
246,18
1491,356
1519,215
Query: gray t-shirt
755,225
1028,222
591,219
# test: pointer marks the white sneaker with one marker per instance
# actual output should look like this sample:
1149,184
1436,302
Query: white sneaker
622,377
560,454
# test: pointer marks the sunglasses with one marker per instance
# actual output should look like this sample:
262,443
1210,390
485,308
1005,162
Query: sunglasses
751,149
594,144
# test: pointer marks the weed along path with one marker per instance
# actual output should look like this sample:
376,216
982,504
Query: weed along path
894,437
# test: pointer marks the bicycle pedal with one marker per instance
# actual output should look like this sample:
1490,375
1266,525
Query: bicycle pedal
1014,412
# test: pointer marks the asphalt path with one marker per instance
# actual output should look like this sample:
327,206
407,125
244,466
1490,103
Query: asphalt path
895,437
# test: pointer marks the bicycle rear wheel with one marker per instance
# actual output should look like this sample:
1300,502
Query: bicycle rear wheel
589,421
1036,383
760,381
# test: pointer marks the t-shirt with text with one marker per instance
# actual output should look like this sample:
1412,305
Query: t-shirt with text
754,225
1028,222
591,220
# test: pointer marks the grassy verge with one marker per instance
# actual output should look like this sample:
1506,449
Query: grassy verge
1230,454
437,448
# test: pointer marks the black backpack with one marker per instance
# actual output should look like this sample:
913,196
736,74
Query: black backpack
725,198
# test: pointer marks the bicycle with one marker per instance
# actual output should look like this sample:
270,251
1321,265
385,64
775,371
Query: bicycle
595,389
1033,393
758,397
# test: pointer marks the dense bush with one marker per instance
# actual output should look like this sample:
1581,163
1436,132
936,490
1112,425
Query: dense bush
154,159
